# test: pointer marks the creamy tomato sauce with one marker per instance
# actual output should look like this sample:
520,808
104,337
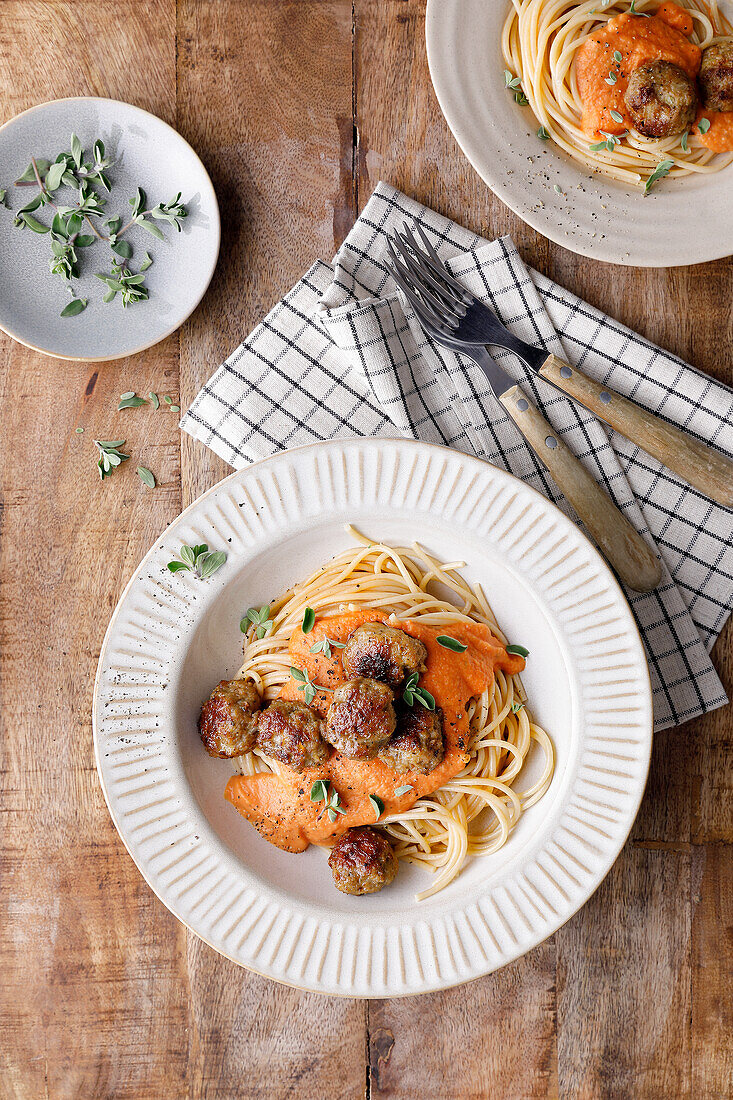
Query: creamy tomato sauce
661,37
280,807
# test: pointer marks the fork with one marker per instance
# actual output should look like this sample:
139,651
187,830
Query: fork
456,319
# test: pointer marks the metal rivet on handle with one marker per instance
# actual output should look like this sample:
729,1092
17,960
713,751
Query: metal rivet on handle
551,442
565,372
605,397
522,405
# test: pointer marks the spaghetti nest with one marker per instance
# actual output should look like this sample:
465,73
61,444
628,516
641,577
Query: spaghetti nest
473,813
540,44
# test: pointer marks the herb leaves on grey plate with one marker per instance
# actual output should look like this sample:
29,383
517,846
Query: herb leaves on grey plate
199,560
73,172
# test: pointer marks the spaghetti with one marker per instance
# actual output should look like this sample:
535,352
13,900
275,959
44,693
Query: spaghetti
474,812
542,41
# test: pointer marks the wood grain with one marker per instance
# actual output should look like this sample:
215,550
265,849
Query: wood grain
297,107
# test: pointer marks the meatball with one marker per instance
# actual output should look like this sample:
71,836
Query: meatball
361,718
293,734
362,861
716,76
383,653
417,744
228,722
661,99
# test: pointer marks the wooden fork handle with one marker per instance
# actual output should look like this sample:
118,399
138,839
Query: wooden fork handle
705,469
617,539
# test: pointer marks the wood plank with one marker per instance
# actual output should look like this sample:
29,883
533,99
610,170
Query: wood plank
91,961
623,983
492,1038
264,95
712,966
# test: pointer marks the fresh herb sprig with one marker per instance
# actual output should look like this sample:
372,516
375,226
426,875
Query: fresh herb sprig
325,646
199,560
259,617
412,693
659,173
110,456
377,805
306,685
333,805
71,170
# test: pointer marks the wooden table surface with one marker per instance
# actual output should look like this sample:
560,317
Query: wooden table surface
297,108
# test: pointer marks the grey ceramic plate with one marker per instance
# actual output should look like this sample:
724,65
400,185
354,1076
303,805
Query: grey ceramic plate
147,153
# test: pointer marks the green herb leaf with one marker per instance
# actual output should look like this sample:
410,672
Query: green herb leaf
147,261
309,620
153,229
122,248
209,563
404,789
167,399
36,226
84,240
29,176
617,57
175,408
451,643
154,400
131,402
52,181
77,150
683,141
703,125
319,791
616,115
518,649
298,675
611,78
543,133
516,707
377,805
74,308
176,566
109,295
113,224
659,172
146,476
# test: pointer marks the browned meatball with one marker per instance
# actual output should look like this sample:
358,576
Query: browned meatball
293,734
361,718
383,653
362,861
417,743
661,99
716,76
228,722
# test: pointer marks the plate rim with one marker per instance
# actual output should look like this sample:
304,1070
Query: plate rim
472,460
216,230
597,251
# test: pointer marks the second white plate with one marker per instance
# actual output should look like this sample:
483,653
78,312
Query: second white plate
172,638
681,222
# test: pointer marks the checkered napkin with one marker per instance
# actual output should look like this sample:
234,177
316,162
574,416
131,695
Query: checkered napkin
343,355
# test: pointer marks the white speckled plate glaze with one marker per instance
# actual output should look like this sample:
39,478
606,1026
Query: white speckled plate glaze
683,221
172,638
148,153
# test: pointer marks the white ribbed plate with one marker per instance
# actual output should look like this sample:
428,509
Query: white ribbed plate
592,215
173,637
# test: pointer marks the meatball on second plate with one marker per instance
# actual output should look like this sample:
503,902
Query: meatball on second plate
661,99
361,718
417,744
293,734
228,722
716,76
362,861
381,652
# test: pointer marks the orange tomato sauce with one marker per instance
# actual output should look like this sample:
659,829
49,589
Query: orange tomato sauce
661,37
279,806
719,138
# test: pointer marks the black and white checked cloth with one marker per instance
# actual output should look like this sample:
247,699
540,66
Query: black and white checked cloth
342,355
